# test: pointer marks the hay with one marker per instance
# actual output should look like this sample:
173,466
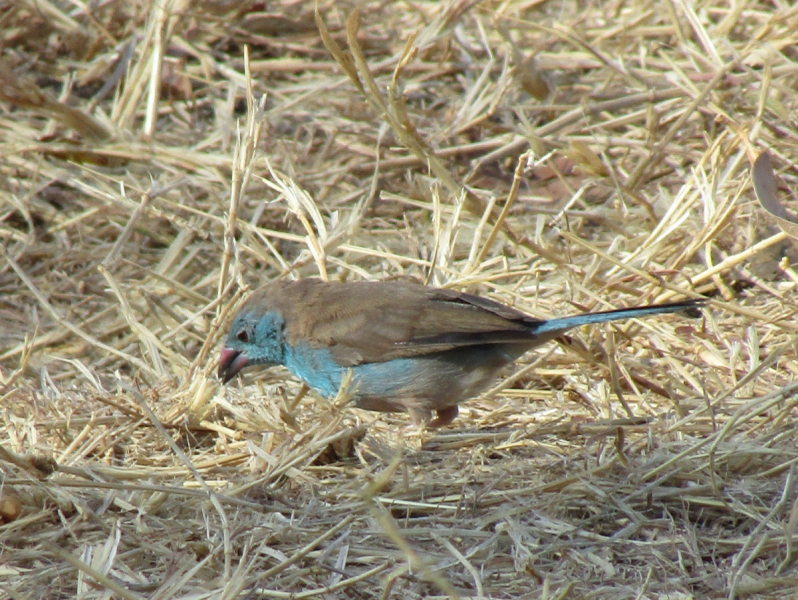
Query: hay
153,169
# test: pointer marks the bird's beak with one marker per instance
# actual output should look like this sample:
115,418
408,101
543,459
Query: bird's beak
230,363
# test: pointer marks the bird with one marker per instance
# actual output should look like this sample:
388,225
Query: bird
410,347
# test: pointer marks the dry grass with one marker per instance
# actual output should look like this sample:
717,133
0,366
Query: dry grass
144,187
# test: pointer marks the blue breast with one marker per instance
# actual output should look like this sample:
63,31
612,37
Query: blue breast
316,367
438,377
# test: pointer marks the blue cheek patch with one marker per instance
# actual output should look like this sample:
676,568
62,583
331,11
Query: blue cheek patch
268,347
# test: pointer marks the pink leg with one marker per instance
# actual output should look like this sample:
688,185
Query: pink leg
419,417
445,416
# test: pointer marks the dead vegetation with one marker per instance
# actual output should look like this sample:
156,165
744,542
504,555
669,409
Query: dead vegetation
159,157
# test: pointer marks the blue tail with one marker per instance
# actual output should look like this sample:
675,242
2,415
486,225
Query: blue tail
554,327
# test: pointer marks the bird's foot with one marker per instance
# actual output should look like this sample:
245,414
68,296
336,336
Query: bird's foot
445,416
422,418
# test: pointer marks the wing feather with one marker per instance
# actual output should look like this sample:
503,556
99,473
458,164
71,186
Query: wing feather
365,322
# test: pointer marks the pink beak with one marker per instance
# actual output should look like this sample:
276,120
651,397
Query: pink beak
230,363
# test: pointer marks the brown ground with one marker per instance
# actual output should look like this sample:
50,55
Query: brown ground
141,194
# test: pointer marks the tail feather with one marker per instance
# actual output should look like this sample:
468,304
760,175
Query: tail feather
554,327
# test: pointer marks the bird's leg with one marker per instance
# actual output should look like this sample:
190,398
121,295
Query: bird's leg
445,416
300,394
422,418
419,417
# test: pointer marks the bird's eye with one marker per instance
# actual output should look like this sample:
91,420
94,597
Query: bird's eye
243,336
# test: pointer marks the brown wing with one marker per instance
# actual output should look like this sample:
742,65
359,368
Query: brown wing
362,322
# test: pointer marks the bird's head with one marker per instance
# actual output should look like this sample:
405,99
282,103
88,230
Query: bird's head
255,338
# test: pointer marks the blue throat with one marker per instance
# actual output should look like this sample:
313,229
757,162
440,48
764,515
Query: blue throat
314,366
